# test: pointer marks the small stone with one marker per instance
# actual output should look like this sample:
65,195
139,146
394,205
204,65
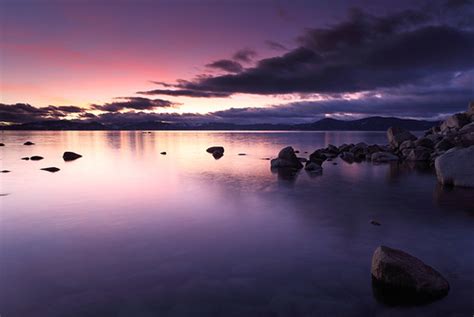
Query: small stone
375,222
163,153
28,143
242,154
71,156
1,144
36,158
25,158
5,171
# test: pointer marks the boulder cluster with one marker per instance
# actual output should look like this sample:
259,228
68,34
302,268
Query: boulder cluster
448,146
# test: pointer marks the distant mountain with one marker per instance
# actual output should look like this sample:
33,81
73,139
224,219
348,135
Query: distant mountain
366,124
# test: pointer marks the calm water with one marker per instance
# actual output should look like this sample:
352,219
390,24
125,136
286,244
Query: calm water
125,231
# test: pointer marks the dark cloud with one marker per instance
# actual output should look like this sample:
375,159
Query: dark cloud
137,103
22,112
184,93
276,46
226,65
364,53
245,55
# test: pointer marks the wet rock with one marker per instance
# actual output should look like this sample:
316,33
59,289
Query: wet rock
371,149
286,159
28,143
348,157
318,156
375,222
51,169
419,154
36,158
1,144
70,156
25,158
163,153
216,151
313,167
396,136
404,277
381,157
456,167
242,154
345,147
5,171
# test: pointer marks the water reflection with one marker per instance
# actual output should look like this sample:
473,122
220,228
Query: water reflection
126,231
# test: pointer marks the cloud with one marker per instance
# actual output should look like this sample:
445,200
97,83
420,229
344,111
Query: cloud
23,112
137,103
244,55
184,93
276,46
226,65
363,53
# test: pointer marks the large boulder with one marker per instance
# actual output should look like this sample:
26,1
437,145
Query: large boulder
71,156
456,167
380,157
397,272
286,159
396,136
456,121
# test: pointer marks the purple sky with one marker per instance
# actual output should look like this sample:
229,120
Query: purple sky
234,61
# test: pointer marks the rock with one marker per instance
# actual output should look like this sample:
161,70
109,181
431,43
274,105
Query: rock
242,154
163,153
334,163
265,158
444,145
470,108
397,272
419,154
371,149
408,144
424,142
468,128
318,156
467,139
214,149
25,158
302,159
379,157
456,167
28,143
71,156
397,135
347,157
345,147
375,222
51,169
332,148
455,121
1,144
313,167
5,171
36,158
286,158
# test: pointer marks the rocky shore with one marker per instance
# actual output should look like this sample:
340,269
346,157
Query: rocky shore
449,147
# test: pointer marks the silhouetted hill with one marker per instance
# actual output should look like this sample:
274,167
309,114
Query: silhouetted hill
366,124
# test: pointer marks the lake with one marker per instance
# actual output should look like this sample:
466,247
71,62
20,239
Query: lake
126,231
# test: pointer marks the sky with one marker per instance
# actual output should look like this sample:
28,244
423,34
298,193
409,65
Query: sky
259,61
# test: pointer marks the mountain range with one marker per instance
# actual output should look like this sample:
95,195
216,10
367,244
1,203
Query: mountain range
366,124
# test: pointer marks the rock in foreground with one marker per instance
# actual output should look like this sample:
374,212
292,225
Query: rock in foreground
71,156
456,167
404,278
286,159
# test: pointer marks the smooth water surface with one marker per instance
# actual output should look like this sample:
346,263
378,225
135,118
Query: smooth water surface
125,231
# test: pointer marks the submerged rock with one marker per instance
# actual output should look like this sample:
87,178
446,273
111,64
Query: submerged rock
286,159
404,277
28,143
51,169
26,158
1,144
36,158
71,156
5,171
242,154
456,167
